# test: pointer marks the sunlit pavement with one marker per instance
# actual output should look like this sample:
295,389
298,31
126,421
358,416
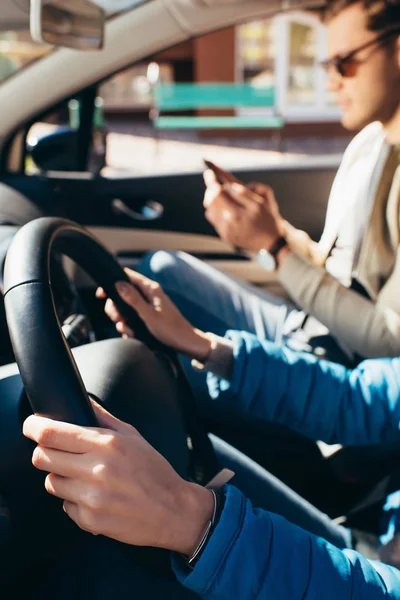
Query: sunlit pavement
137,150
144,152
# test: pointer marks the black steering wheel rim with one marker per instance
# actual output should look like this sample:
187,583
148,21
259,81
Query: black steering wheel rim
52,381
48,370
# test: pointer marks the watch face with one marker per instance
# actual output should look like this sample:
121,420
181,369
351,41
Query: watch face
266,260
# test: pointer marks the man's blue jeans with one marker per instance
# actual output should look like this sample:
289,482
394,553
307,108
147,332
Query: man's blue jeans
214,302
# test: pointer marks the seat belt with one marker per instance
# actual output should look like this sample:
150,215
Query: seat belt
378,494
387,485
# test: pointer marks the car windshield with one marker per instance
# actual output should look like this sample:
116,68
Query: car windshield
18,51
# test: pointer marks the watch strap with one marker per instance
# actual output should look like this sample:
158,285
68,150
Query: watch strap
277,247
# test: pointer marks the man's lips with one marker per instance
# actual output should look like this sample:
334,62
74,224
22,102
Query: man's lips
344,103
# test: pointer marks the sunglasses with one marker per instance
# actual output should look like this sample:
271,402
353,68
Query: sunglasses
347,66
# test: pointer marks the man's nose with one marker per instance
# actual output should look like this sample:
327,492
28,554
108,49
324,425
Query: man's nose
334,80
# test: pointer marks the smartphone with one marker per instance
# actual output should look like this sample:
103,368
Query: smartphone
221,175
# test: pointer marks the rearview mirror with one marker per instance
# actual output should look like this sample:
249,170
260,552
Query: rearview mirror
75,24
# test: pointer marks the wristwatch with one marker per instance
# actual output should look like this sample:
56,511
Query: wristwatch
268,257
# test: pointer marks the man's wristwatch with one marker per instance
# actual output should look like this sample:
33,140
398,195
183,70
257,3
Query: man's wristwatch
268,257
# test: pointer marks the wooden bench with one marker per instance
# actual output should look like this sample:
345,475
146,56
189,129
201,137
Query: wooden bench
181,97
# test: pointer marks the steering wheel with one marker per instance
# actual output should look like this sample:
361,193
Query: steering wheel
52,381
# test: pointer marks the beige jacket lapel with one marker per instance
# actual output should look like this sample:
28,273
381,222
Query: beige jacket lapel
378,250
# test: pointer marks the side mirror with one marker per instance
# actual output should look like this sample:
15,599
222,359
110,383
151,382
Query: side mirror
59,151
55,152
77,24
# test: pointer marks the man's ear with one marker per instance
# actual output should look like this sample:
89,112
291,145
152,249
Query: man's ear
397,50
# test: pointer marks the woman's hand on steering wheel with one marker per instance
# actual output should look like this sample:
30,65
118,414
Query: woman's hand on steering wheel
159,313
114,483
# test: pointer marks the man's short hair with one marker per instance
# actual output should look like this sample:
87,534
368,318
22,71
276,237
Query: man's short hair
382,14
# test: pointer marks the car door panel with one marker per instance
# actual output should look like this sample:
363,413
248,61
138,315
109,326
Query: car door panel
302,192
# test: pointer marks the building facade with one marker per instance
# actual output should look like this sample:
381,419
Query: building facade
283,52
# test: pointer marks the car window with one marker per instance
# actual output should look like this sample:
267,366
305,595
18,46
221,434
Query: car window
52,143
165,114
17,51
293,84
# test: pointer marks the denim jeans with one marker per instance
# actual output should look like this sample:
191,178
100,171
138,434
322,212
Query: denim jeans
101,568
214,302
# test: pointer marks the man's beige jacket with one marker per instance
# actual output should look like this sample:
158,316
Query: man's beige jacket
370,328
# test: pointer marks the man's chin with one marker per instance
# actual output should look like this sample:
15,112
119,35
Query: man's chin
352,122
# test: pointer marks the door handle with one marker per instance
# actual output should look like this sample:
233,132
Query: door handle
149,211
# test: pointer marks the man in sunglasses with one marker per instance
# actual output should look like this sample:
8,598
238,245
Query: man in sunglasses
344,289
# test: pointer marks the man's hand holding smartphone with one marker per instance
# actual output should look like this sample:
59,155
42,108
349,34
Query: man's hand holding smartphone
245,216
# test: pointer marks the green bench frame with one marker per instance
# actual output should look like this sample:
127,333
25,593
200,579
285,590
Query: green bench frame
179,97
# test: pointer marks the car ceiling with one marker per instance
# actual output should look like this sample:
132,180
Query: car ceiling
14,13
199,16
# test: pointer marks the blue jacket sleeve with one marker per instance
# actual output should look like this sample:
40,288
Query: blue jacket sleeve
256,555
319,399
